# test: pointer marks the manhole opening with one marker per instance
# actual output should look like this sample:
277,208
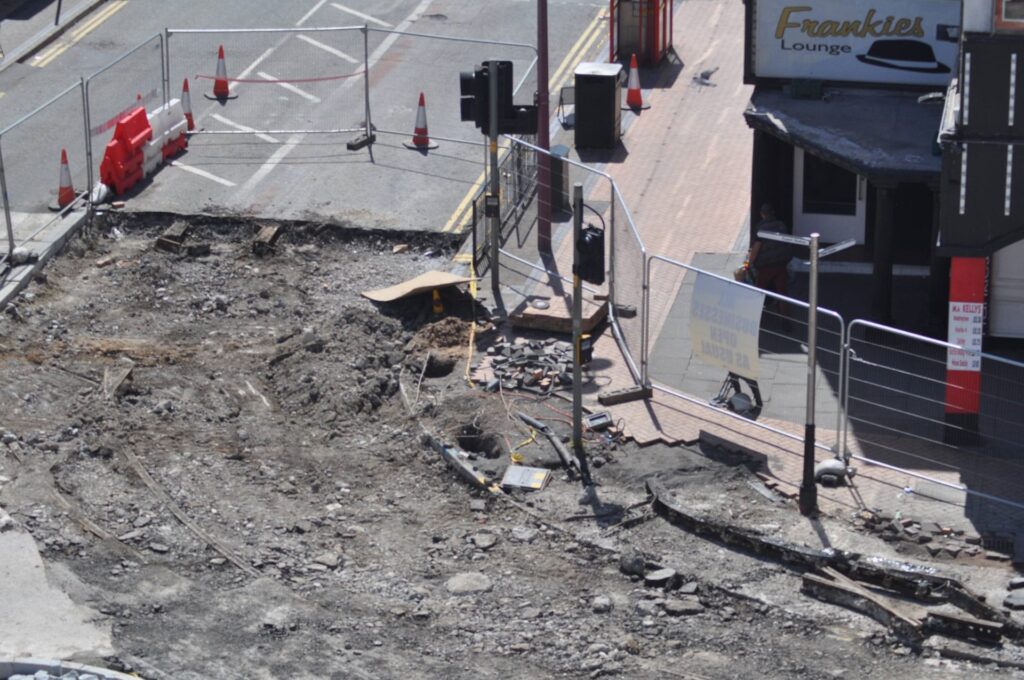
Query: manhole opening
473,439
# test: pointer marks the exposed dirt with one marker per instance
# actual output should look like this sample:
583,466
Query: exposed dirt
271,511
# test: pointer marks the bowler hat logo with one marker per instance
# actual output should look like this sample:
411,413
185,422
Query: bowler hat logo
904,55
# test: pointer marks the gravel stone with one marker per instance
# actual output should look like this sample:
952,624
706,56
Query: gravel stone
469,583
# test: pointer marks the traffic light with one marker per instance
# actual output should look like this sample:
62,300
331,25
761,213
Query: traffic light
591,248
475,101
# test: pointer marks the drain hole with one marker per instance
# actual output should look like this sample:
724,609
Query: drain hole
438,367
473,439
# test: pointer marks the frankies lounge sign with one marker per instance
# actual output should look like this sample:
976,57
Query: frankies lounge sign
911,42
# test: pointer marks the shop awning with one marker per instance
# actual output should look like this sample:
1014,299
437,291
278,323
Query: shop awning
881,135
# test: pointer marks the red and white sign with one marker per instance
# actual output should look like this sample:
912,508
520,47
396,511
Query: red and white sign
967,277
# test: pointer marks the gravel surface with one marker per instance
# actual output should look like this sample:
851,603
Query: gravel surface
257,501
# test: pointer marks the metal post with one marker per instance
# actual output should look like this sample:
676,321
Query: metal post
56,19
88,143
165,70
494,218
808,489
366,76
577,336
7,211
543,131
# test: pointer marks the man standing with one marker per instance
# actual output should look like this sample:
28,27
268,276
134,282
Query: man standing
769,258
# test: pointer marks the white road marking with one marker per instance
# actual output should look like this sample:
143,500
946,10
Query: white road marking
327,48
202,173
294,141
271,163
250,67
310,13
288,86
243,128
365,17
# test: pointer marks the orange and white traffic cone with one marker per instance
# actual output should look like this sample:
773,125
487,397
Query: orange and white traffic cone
221,89
186,106
65,192
634,97
420,136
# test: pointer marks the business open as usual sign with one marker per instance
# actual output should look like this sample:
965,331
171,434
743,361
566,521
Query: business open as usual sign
911,42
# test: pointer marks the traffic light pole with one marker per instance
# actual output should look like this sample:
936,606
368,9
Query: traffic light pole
494,219
577,336
543,132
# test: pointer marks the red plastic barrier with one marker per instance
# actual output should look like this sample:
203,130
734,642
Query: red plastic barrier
121,167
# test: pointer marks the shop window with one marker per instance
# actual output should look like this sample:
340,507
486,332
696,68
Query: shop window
828,189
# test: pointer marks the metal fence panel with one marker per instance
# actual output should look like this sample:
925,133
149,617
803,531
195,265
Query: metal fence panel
897,401
30,152
628,295
781,377
136,78
280,80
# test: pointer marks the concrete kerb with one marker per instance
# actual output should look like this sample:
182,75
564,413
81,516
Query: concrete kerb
15,280
29,666
45,37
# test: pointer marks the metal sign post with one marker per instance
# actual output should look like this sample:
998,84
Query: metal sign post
494,219
808,487
577,336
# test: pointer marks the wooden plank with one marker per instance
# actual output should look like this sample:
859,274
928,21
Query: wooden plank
173,237
848,594
115,377
266,238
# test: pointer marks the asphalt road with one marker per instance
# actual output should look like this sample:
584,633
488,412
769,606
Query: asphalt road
294,86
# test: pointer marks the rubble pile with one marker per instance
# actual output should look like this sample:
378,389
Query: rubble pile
539,364
936,539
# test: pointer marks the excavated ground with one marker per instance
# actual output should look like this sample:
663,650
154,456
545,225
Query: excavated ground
258,502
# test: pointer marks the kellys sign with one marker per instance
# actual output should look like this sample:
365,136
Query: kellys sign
910,42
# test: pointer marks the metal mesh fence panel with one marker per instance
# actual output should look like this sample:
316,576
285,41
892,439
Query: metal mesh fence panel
898,397
136,78
778,374
627,295
30,151
279,80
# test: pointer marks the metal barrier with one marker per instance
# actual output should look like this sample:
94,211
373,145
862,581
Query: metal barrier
136,78
282,80
781,336
896,397
628,287
30,152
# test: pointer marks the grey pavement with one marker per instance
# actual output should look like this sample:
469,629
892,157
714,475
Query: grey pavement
27,25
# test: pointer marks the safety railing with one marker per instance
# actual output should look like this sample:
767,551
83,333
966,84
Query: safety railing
714,336
32,147
136,78
906,414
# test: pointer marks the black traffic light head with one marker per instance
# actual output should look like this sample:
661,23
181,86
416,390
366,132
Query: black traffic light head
474,96
475,100
591,255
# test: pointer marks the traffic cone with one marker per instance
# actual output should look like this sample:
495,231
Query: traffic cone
221,89
186,106
65,193
420,136
634,98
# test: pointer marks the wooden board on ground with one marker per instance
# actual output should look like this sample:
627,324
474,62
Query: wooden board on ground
423,283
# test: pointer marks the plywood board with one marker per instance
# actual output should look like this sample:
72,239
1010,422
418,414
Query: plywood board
420,284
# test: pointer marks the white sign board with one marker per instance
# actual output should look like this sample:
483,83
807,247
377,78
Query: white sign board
725,320
966,322
911,42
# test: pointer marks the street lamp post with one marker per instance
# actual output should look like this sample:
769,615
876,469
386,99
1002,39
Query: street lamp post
808,488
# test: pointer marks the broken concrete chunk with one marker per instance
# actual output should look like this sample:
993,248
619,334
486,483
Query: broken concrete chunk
601,604
484,540
469,583
329,559
683,607
1014,601
661,578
